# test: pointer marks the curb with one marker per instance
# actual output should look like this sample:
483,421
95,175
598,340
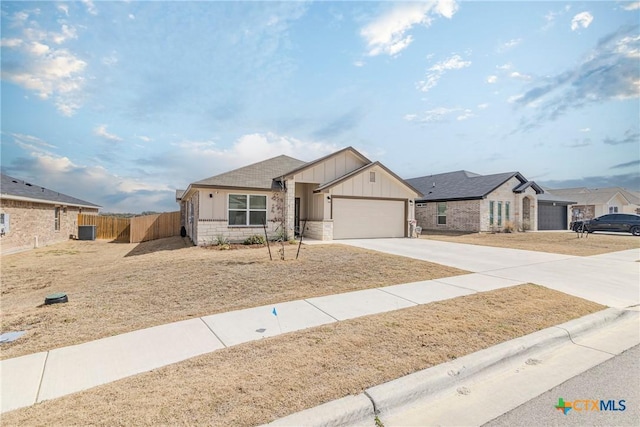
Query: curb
364,407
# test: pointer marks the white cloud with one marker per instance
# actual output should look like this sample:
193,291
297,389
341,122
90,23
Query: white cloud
11,43
585,130
31,143
51,71
388,33
144,138
454,62
37,48
101,131
359,63
64,8
132,16
492,79
582,19
483,106
504,67
91,8
509,45
632,6
439,114
466,114
520,76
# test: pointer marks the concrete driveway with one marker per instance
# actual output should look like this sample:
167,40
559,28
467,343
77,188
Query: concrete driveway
610,279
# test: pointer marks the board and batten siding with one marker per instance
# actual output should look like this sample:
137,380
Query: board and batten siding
385,186
330,169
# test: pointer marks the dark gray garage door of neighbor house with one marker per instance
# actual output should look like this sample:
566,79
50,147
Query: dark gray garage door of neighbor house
552,217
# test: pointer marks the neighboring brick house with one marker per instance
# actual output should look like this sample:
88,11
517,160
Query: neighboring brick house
593,202
465,201
32,216
339,196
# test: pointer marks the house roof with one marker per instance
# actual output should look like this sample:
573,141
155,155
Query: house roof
465,185
259,175
548,197
595,196
13,188
361,170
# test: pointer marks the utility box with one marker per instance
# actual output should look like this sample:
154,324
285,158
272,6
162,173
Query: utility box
86,232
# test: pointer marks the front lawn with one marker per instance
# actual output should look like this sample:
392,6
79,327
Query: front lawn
115,287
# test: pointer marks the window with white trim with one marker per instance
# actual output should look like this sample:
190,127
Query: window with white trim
56,224
613,209
491,213
499,214
247,209
442,213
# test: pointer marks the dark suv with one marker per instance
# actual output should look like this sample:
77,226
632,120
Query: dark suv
622,223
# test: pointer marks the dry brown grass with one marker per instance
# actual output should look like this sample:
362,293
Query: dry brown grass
257,382
555,242
115,288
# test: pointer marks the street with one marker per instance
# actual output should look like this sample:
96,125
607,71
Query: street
616,379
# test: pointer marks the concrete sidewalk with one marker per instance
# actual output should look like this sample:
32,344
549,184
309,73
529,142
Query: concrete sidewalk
34,378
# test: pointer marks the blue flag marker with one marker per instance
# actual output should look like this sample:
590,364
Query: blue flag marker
275,313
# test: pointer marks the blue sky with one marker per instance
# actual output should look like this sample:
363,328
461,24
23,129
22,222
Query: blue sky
120,103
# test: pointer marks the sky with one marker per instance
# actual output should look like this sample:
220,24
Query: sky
120,103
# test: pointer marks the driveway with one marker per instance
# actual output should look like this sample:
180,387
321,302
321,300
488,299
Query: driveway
610,279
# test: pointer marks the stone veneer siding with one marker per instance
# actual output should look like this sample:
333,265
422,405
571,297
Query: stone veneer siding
33,224
461,216
319,230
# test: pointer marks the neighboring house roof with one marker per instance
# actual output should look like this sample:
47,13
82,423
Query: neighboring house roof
548,197
465,185
321,159
16,189
343,178
596,196
259,175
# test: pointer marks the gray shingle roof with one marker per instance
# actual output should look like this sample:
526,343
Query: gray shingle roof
22,189
460,185
595,195
259,175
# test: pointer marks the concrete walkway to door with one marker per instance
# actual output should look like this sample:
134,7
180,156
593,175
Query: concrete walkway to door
609,279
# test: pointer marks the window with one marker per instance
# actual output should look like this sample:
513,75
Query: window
613,209
442,213
245,209
499,213
4,223
506,212
56,224
372,177
490,213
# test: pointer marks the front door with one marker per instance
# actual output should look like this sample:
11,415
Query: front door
296,216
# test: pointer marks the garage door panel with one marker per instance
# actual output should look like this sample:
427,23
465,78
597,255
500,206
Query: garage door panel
552,217
367,218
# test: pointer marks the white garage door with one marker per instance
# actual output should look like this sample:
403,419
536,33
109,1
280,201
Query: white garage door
366,218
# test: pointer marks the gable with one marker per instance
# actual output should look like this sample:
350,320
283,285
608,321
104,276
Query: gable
361,183
330,167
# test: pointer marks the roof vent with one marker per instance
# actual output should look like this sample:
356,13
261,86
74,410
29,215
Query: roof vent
27,184
434,185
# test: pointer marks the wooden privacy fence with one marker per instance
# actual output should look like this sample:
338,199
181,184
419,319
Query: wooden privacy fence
151,227
135,229
107,227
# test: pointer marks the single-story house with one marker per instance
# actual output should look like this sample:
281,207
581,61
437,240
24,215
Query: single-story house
589,203
32,216
339,196
466,201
